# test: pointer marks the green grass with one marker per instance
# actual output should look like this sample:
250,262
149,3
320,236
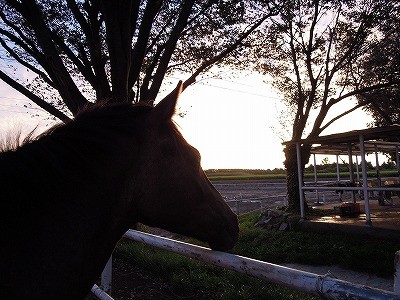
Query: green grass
368,255
197,278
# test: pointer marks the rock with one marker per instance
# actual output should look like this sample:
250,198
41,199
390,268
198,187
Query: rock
284,226
276,220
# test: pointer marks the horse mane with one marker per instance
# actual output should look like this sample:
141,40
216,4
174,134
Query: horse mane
13,139
120,115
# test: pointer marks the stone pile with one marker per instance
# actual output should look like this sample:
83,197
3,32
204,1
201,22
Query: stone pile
276,220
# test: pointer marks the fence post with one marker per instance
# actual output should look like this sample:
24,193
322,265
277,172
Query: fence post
106,276
396,281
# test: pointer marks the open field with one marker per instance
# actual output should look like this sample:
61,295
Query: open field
243,175
248,195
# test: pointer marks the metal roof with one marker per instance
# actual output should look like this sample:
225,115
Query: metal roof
384,139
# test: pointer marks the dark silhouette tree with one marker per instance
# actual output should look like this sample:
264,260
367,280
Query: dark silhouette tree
383,62
86,51
316,51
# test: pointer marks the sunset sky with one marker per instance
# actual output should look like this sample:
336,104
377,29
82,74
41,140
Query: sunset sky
232,122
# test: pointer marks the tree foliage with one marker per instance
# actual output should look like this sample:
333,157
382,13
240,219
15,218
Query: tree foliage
317,52
82,51
320,53
384,62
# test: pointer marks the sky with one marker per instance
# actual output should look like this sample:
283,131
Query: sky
234,123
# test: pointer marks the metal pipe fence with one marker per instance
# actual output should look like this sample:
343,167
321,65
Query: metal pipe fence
325,286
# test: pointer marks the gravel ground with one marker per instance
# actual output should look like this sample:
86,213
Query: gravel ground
347,275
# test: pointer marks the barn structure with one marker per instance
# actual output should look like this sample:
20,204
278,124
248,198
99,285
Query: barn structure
354,144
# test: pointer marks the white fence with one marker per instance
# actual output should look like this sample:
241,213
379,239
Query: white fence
323,285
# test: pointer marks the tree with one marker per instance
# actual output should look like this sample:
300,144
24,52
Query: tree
85,51
384,62
315,50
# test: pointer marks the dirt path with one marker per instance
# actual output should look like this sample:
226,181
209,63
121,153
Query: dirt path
347,275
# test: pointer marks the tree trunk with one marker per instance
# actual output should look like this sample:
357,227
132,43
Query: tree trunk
292,181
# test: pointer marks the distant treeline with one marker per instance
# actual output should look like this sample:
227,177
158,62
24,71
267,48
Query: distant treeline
323,168
242,172
344,167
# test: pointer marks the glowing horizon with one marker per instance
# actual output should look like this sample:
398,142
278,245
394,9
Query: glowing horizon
229,122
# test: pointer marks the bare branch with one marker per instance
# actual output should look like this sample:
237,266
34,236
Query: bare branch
58,72
169,47
361,104
26,64
86,71
40,102
139,51
224,53
363,90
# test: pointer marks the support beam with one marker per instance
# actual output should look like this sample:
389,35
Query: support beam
337,167
397,161
365,181
350,152
357,169
300,177
316,180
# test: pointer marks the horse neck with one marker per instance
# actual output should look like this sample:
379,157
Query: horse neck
71,230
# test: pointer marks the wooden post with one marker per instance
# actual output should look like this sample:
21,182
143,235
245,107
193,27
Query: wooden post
396,281
106,276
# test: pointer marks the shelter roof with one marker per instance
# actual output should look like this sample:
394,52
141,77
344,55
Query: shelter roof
382,139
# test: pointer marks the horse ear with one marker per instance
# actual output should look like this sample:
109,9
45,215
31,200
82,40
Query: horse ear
165,109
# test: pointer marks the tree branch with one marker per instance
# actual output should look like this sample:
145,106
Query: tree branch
224,53
321,116
59,74
86,71
139,51
118,17
40,102
363,90
361,104
170,47
26,64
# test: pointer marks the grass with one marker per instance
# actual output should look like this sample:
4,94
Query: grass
197,278
367,255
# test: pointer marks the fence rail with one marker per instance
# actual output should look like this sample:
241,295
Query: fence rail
323,285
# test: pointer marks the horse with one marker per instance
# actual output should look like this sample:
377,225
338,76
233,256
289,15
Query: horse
68,196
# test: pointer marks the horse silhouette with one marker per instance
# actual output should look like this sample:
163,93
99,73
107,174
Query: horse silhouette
68,196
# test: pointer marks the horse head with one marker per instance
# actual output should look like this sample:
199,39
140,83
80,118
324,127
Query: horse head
176,194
